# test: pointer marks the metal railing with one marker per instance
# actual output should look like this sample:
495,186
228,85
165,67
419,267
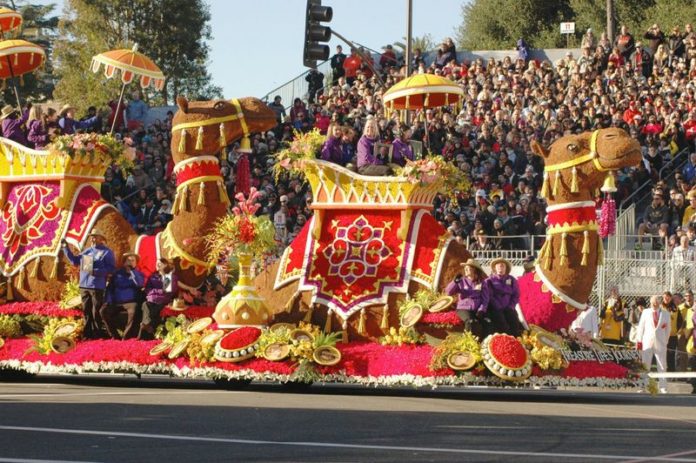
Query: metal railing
297,87
625,225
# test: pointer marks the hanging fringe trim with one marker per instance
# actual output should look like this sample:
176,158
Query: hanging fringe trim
54,269
556,183
564,249
175,206
308,315
585,247
361,322
223,137
384,324
543,251
35,271
327,325
574,181
199,139
222,193
10,292
545,186
549,253
20,279
201,194
182,141
344,333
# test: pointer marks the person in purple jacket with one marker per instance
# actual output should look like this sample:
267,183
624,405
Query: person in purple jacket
402,150
332,150
37,135
504,296
472,295
67,123
160,290
368,163
12,124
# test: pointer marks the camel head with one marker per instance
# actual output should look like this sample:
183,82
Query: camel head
203,127
579,164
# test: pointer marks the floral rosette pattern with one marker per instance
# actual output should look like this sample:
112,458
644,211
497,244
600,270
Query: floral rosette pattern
506,357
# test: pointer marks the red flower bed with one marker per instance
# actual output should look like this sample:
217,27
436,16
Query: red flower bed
442,318
42,308
588,369
241,337
193,312
508,351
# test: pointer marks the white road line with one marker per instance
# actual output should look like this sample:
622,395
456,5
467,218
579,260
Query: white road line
125,392
30,460
589,430
678,454
390,448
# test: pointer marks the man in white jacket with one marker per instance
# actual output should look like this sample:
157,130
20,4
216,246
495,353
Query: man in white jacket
652,337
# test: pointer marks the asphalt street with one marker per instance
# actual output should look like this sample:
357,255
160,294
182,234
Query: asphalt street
118,419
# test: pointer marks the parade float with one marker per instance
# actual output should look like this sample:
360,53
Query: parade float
356,298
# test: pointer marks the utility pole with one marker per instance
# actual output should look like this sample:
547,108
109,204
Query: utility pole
409,35
610,21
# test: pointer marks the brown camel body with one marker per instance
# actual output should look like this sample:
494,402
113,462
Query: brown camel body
192,221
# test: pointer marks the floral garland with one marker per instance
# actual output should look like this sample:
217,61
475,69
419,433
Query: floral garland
435,169
94,145
304,146
9,327
243,232
454,343
41,309
400,337
545,357
445,319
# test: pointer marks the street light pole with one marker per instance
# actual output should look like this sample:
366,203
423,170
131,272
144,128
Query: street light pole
610,20
409,35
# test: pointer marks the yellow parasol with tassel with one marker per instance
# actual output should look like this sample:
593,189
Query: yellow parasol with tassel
422,91
17,58
131,64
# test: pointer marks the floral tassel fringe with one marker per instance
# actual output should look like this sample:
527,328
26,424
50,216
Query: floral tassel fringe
222,193
175,206
344,334
20,279
201,194
585,248
199,139
600,252
361,323
182,141
545,186
574,181
549,253
10,293
384,324
327,325
54,269
564,249
308,315
223,138
556,183
35,271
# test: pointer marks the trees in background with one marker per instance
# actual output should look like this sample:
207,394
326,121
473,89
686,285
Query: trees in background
497,24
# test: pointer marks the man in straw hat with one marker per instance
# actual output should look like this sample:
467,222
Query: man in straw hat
96,263
504,296
124,292
472,294
68,124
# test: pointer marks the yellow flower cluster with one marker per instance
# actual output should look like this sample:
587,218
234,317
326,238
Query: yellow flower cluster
400,337
453,343
71,289
42,344
9,327
301,350
546,357
199,352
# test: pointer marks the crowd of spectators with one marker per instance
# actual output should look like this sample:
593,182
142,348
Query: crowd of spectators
645,84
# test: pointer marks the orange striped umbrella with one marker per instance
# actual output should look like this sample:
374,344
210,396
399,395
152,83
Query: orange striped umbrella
10,20
19,57
130,63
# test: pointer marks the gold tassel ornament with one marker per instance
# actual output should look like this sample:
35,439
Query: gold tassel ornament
344,333
543,251
556,183
384,324
201,194
54,269
182,141
183,204
564,249
361,322
585,248
10,292
175,206
600,252
574,181
549,253
222,193
35,271
308,315
199,139
223,137
545,186
327,325
20,279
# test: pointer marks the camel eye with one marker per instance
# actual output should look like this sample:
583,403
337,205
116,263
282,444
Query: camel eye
572,148
220,105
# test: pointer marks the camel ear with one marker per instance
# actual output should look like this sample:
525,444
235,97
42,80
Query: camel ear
182,103
538,149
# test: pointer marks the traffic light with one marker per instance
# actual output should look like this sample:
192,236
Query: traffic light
316,33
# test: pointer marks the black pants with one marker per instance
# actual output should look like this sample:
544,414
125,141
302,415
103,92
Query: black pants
92,300
505,321
109,311
471,322
672,353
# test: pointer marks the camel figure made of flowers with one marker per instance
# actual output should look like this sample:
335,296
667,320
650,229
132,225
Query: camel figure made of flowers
200,129
333,272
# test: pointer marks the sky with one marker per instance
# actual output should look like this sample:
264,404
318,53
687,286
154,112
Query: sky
257,44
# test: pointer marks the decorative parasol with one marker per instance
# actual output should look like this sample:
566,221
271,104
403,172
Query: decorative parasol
131,63
422,91
10,21
19,57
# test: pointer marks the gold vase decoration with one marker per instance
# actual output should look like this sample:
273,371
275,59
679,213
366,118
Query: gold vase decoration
242,306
